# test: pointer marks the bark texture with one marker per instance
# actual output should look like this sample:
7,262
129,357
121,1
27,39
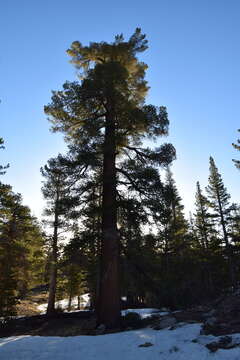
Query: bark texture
108,307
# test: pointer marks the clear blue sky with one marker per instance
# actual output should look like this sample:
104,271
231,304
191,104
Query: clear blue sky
194,69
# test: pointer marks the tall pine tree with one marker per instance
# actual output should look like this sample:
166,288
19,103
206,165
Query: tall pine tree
219,201
203,219
57,191
107,111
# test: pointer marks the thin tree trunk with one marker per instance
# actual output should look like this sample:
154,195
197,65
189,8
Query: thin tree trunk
205,237
78,302
53,265
228,248
108,305
70,301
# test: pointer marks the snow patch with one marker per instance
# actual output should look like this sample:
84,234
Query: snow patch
179,344
144,313
63,304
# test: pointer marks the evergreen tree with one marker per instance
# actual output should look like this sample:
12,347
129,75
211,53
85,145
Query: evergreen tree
219,201
2,168
131,218
234,230
174,258
237,147
88,235
8,278
206,243
72,269
203,219
21,253
107,112
175,223
56,190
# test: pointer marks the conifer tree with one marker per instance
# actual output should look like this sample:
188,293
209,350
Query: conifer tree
72,267
176,226
219,201
206,244
235,228
87,235
8,278
21,254
237,147
107,112
56,190
2,168
173,248
203,220
131,217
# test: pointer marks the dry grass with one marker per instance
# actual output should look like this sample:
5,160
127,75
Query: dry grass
28,305
27,308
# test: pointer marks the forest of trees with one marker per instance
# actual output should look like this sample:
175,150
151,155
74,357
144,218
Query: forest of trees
114,222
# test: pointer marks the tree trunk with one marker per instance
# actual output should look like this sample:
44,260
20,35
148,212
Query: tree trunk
53,266
228,247
205,236
78,302
70,301
108,305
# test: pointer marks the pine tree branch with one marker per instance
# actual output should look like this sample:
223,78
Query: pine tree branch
134,185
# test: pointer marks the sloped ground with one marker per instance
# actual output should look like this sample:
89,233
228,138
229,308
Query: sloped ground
61,324
184,342
35,302
210,331
220,317
78,323
30,304
224,317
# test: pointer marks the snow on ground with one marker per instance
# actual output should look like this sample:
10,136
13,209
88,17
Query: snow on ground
144,313
63,304
85,302
166,345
